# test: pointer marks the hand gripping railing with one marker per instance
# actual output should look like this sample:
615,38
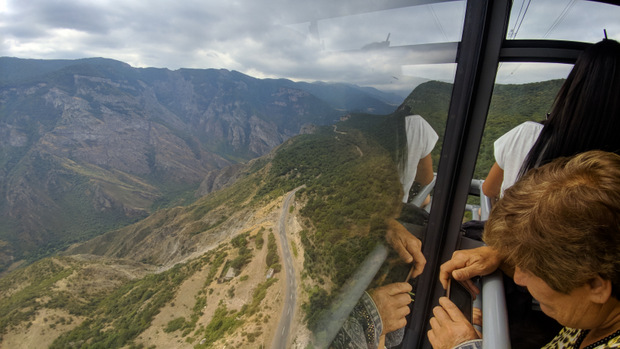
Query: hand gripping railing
492,300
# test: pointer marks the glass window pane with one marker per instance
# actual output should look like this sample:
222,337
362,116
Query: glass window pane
286,252
524,92
521,73
372,48
409,51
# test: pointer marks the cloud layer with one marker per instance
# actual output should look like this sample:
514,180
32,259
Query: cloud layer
274,38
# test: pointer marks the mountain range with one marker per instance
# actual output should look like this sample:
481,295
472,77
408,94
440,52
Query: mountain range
93,144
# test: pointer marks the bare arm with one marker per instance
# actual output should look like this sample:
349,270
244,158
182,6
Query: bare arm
424,174
492,185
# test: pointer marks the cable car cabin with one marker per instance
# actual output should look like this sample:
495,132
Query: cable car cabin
485,50
468,71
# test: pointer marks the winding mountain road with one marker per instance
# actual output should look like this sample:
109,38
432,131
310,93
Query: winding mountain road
280,338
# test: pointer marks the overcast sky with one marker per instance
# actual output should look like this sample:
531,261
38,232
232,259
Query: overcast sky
271,38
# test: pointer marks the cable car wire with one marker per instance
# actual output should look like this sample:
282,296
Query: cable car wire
560,18
522,18
438,23
511,33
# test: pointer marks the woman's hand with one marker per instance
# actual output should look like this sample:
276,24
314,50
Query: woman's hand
408,247
466,264
392,302
449,327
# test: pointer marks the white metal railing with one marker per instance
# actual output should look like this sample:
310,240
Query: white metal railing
492,299
496,333
418,200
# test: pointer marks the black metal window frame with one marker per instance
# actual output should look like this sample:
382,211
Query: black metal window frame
482,48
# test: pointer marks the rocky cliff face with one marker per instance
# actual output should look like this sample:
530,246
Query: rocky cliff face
91,144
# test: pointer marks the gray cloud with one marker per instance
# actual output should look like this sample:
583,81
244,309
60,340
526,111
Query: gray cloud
45,15
269,38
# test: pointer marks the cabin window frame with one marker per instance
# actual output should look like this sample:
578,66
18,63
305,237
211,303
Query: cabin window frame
482,48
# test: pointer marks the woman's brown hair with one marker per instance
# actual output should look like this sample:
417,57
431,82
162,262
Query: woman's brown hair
561,221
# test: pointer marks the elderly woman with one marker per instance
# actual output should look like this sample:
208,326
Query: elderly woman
559,228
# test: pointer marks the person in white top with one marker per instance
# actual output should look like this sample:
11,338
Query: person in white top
511,149
391,302
585,116
418,165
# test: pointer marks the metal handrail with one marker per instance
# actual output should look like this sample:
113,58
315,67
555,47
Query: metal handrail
492,300
424,192
494,314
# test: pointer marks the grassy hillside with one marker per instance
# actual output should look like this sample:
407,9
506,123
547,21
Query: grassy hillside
351,187
91,302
